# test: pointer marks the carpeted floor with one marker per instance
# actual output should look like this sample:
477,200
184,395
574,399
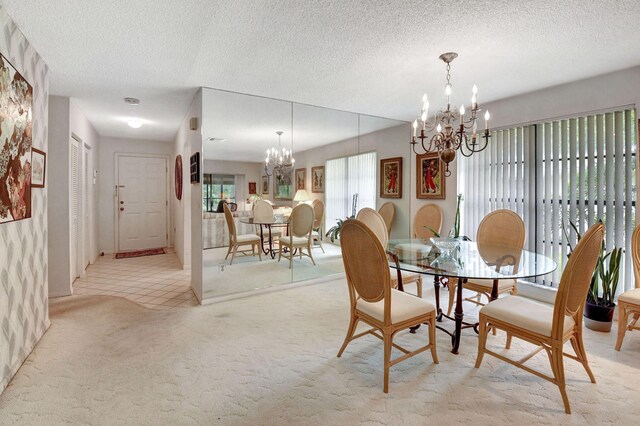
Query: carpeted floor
270,359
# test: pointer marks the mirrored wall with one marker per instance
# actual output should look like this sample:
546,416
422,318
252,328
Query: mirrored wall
336,171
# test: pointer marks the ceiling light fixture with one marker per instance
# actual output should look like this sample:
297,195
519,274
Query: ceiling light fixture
132,101
134,124
280,159
217,139
447,140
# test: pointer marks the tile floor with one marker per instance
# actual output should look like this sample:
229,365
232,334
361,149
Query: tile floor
155,282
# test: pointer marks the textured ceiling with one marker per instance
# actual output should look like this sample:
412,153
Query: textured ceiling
370,56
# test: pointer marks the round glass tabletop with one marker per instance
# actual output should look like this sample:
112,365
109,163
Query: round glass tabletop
466,259
273,221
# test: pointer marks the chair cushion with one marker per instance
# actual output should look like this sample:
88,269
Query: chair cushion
488,284
407,277
314,234
403,307
631,296
524,313
274,233
295,241
247,238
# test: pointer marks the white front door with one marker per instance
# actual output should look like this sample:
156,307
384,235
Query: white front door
141,202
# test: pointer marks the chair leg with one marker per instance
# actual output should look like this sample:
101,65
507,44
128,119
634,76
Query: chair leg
482,340
578,347
419,288
279,251
557,365
452,294
320,244
353,325
432,338
310,254
508,344
233,256
228,251
258,248
388,340
623,319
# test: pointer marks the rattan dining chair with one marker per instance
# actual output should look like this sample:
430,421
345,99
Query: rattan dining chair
318,221
299,238
546,326
498,228
263,210
629,301
427,219
376,223
374,302
388,212
236,241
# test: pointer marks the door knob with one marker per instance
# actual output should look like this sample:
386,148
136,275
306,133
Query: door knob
121,209
121,202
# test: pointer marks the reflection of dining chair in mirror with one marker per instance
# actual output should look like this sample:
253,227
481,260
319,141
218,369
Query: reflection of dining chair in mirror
500,240
388,212
299,238
427,219
629,301
376,223
263,211
236,241
548,327
374,302
318,220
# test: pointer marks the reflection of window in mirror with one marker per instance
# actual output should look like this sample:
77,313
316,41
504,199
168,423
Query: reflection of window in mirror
216,188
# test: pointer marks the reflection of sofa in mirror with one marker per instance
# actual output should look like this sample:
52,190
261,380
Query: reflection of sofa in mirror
214,228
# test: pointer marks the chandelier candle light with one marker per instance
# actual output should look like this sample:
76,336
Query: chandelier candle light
450,136
280,159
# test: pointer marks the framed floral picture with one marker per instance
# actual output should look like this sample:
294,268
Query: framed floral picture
391,177
265,185
430,180
252,188
282,185
301,175
317,179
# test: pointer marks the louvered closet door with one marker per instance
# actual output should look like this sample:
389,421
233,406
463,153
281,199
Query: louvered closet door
73,206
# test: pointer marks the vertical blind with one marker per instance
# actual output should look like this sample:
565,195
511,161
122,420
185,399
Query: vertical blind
576,169
346,177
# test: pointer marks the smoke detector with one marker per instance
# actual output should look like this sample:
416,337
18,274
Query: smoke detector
132,101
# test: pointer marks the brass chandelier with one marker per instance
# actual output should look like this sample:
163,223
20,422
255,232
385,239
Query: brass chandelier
451,128
278,159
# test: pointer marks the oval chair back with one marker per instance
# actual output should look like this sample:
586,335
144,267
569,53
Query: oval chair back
365,264
635,254
301,221
262,210
318,213
576,278
230,223
388,212
502,228
426,218
375,222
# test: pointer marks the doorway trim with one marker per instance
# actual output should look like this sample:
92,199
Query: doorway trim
116,216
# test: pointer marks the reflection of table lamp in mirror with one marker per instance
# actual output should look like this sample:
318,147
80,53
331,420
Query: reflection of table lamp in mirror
503,259
301,196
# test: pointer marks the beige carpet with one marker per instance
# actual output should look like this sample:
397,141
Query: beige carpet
270,360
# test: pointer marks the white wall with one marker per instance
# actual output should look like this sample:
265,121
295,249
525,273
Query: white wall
195,137
244,171
24,260
109,147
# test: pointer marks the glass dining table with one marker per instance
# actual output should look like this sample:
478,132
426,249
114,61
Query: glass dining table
267,223
465,260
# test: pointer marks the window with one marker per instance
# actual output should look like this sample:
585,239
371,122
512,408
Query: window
346,178
576,169
216,188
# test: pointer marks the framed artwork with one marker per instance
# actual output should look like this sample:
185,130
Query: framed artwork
38,168
317,179
265,185
178,177
282,184
16,130
301,175
195,168
430,181
252,188
391,177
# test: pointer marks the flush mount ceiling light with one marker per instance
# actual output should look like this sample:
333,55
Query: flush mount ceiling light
132,101
134,124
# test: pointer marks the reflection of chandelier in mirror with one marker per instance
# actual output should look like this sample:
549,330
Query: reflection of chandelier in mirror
449,139
280,159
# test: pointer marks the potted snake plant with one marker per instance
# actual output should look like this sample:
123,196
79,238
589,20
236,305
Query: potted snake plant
600,305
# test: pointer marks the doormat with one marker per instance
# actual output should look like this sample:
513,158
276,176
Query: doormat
139,253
